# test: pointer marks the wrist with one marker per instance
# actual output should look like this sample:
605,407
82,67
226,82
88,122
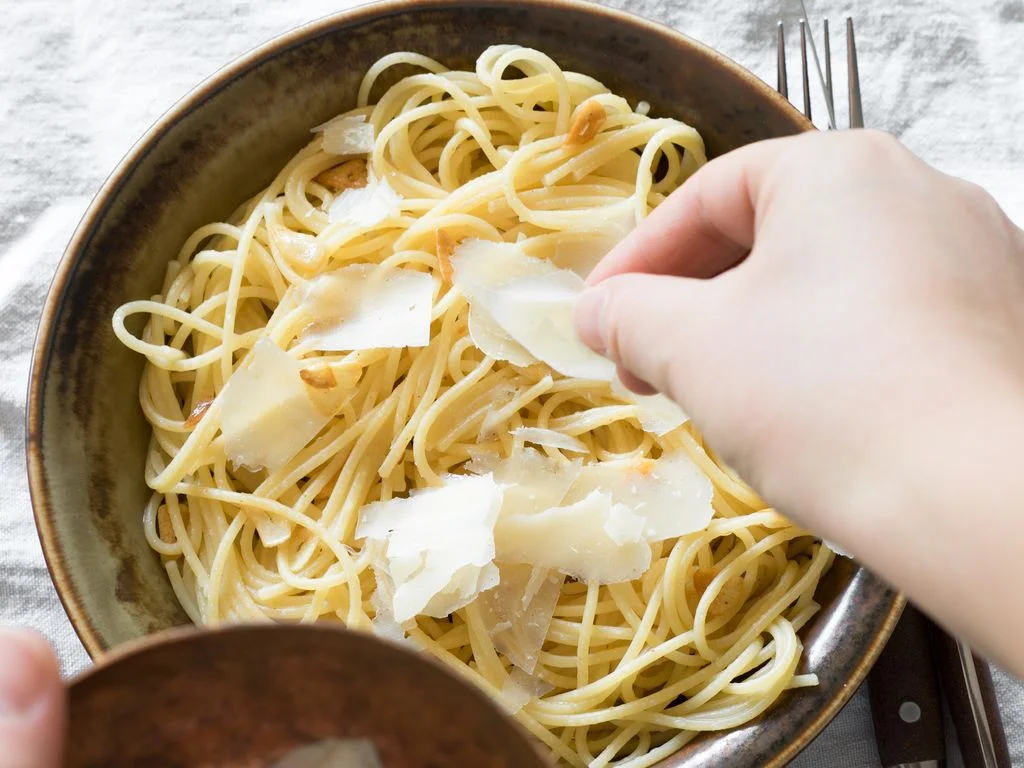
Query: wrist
942,516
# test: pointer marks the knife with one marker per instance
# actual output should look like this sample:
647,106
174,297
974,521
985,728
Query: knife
967,685
906,702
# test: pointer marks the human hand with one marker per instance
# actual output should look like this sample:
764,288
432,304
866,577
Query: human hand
32,702
846,326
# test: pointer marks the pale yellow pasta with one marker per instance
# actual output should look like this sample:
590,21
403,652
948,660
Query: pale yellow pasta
705,640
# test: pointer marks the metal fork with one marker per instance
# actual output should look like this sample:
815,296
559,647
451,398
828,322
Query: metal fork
852,71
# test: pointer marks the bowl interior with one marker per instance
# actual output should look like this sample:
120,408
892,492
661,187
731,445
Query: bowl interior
163,703
226,141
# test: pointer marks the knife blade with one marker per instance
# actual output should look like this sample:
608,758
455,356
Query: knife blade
967,684
906,702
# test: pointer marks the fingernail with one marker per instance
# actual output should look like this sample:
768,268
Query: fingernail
25,670
589,317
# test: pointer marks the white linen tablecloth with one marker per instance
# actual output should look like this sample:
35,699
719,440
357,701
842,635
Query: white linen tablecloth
80,80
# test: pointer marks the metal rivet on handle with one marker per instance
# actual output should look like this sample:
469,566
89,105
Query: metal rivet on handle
910,712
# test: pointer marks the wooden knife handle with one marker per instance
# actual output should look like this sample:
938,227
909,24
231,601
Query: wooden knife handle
906,703
955,686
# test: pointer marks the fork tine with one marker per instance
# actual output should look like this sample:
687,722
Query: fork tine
803,68
780,53
853,75
829,94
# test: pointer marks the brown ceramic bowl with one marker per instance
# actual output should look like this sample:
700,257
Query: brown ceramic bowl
224,142
255,696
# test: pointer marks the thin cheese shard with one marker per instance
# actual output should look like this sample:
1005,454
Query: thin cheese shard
623,525
537,312
521,688
297,247
267,415
570,516
537,578
494,342
366,206
837,549
582,248
477,267
383,622
273,531
346,135
575,540
670,494
530,481
531,301
439,544
365,306
657,414
519,610
549,438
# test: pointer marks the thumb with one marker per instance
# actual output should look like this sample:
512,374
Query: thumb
32,702
654,327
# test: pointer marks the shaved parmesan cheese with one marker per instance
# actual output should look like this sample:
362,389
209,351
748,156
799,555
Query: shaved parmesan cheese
581,252
439,544
297,247
493,416
623,525
364,306
365,206
267,416
531,482
479,266
521,688
657,414
589,521
347,135
465,586
549,438
835,548
531,301
582,249
575,540
384,624
273,531
671,495
519,610
537,312
494,342
537,578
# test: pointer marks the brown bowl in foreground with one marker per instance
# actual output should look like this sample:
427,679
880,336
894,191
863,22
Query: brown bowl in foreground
260,696
224,142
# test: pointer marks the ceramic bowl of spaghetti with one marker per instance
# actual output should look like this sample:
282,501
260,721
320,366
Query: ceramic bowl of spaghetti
309,358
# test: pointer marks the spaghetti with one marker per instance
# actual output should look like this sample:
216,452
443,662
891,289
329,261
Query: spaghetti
519,152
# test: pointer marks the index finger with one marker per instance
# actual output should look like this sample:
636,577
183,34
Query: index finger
706,226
